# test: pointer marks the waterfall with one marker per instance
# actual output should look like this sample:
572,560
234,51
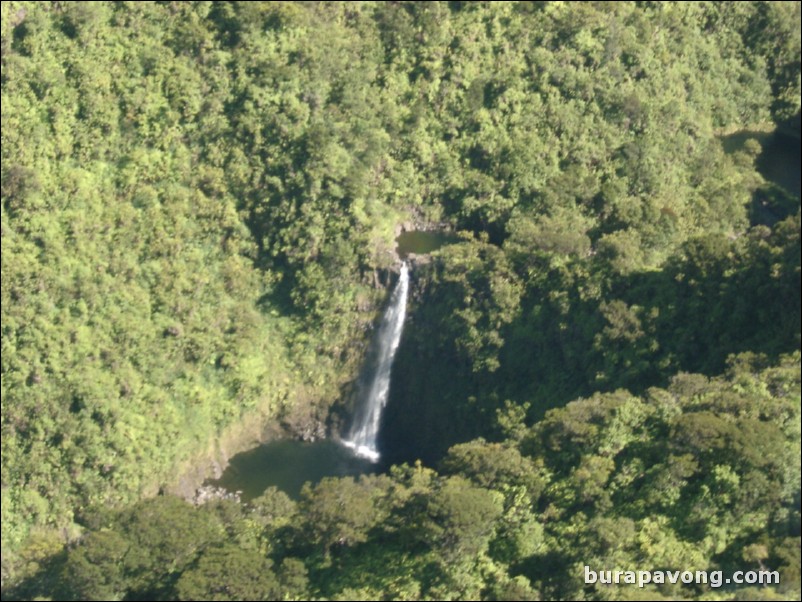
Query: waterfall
364,432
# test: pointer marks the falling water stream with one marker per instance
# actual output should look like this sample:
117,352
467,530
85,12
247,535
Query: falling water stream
288,464
364,432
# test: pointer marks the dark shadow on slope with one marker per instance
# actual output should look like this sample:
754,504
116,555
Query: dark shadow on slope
715,298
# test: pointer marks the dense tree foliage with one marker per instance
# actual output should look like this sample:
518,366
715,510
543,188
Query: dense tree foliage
199,200
704,475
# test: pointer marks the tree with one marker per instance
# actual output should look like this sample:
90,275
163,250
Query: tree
228,572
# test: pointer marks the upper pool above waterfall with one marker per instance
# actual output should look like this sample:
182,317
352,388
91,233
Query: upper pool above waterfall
421,242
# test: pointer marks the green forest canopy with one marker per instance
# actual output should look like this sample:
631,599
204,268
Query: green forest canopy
197,198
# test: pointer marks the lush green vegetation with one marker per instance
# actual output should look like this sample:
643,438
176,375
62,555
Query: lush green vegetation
199,197
699,475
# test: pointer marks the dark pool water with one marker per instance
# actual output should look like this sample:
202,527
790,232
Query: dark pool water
781,162
420,242
287,465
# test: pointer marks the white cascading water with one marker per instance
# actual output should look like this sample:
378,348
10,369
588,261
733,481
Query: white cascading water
365,428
